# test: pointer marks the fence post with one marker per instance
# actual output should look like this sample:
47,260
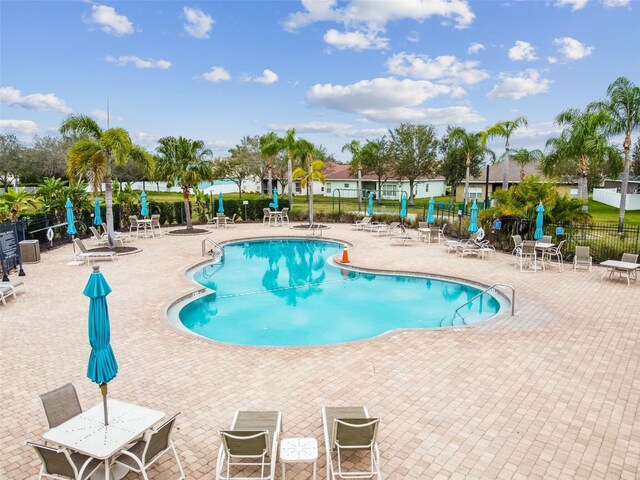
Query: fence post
638,238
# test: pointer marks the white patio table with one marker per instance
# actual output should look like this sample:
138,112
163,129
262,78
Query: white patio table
86,433
542,248
146,222
622,267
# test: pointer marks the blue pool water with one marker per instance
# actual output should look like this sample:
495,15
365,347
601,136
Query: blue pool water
283,292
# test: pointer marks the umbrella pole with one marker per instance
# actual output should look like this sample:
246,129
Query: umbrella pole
103,390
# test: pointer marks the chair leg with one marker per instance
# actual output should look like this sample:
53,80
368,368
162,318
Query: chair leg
175,453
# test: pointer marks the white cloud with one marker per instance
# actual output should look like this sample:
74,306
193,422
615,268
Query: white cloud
357,40
146,139
198,24
413,36
138,62
216,74
475,47
99,114
615,3
446,68
110,21
332,128
522,85
24,127
268,77
552,60
388,100
36,101
574,4
572,49
375,15
522,51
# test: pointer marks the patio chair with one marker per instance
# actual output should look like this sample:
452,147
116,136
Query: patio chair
210,221
359,224
424,231
628,274
60,405
144,453
546,239
9,288
266,215
526,254
284,215
88,255
221,220
231,222
517,241
582,258
350,429
251,442
133,223
155,224
554,252
59,463
441,236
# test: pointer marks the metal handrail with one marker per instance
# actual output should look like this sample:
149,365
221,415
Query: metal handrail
212,242
513,300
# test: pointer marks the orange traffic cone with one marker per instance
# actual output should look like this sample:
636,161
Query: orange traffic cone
345,254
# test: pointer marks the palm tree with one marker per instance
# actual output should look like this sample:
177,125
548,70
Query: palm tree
51,193
623,106
355,149
94,154
524,157
183,162
505,129
474,150
270,147
288,144
583,146
312,171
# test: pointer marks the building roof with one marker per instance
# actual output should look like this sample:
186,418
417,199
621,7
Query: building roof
340,171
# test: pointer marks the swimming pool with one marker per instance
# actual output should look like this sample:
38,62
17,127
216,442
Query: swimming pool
286,292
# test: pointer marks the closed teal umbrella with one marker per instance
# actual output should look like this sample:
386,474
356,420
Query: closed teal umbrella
473,222
102,366
97,218
370,208
403,205
538,234
220,203
275,198
144,209
71,222
430,218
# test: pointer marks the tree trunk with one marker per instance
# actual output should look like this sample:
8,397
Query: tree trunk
359,188
379,187
310,193
108,200
240,188
187,210
411,180
269,182
505,170
583,175
290,185
466,184
625,181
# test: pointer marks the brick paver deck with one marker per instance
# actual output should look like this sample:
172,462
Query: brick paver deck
550,393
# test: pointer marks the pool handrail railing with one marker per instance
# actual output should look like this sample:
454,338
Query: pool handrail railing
513,300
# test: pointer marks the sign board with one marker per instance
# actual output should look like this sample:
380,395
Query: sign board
245,202
559,231
9,251
497,224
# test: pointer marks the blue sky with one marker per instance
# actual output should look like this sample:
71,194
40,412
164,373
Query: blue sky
334,70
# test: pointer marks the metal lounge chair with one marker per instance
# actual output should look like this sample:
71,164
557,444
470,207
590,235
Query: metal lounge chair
359,224
88,255
144,453
251,443
582,258
350,429
60,405
9,288
118,236
402,237
384,229
59,463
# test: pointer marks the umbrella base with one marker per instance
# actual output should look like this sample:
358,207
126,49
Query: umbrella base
117,472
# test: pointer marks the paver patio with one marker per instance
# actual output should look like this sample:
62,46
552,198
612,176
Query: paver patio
550,393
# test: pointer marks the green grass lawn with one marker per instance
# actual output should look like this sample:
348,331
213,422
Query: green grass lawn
604,213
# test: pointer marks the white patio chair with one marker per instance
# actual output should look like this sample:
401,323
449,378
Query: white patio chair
60,463
554,252
155,224
144,453
526,255
582,258
88,254
133,223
